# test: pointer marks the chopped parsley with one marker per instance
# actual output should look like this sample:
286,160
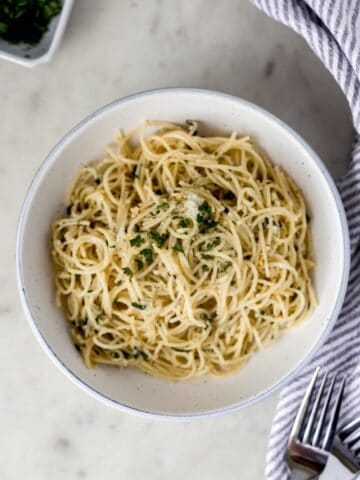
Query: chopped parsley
128,272
137,241
193,127
97,318
225,266
162,206
138,305
180,349
158,238
207,318
139,353
178,247
205,256
213,244
205,218
147,253
26,21
184,223
139,264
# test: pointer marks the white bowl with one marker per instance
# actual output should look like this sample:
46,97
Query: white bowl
129,389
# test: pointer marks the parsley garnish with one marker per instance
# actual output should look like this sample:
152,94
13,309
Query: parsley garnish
184,223
180,349
158,238
26,21
213,244
162,206
138,305
206,218
178,247
225,266
207,318
137,353
128,272
137,241
205,256
192,127
147,253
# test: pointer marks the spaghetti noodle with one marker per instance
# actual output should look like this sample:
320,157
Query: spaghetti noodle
180,254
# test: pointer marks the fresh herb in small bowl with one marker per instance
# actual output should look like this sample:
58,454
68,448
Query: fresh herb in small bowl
26,21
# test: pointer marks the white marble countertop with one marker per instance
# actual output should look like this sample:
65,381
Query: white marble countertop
49,428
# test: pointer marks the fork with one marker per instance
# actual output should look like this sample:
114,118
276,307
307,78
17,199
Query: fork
346,446
308,450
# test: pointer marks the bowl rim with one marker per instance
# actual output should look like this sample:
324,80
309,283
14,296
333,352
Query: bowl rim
38,177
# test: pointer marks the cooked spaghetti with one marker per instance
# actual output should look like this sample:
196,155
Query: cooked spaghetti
181,255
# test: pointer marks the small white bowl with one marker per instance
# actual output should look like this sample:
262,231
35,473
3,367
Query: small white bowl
268,370
42,52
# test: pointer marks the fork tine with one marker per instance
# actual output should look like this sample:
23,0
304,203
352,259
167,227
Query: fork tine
314,410
298,422
349,429
320,423
352,439
331,428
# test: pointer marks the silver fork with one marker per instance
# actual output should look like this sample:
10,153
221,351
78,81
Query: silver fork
346,446
308,450
350,435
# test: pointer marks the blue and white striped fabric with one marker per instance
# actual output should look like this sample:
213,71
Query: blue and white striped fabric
332,29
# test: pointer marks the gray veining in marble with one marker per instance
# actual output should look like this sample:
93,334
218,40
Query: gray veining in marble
49,428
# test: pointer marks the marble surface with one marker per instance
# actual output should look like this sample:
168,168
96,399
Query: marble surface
49,428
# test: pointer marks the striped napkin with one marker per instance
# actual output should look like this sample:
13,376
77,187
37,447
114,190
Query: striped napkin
332,29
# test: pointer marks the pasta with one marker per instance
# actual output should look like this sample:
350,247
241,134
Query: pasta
181,255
